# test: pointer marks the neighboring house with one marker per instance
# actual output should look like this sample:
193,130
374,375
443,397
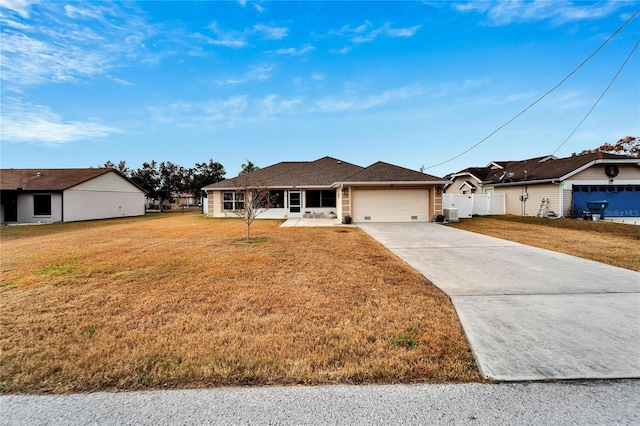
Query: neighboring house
565,184
67,195
184,199
381,192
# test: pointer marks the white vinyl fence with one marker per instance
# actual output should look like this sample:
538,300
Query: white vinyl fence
475,204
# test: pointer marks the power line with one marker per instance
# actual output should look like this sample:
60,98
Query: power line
598,100
543,96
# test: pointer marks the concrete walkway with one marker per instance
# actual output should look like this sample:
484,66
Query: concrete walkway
310,222
529,314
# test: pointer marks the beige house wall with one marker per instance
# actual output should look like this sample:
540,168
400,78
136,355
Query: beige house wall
343,201
437,203
535,194
627,172
453,188
567,197
346,203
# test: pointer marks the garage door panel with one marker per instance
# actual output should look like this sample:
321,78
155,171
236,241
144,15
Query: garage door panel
391,205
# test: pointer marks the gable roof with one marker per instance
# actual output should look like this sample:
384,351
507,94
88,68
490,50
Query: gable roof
467,183
319,173
328,172
49,179
382,172
544,168
478,173
549,168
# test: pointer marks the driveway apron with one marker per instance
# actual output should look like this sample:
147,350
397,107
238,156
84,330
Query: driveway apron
529,313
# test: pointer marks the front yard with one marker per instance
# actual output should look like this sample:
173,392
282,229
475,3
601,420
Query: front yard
179,301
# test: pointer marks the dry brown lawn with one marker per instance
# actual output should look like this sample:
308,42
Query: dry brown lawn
611,243
179,301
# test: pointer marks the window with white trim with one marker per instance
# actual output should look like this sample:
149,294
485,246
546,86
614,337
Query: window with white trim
232,200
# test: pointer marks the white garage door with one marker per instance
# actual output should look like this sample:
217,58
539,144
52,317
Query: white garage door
390,205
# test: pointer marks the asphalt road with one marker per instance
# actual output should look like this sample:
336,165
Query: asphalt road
575,403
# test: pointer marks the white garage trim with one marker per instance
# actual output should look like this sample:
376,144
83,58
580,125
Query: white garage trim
390,205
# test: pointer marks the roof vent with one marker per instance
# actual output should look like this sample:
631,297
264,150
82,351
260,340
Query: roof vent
507,176
38,174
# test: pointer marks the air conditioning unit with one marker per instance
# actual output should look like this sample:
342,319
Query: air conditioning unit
451,215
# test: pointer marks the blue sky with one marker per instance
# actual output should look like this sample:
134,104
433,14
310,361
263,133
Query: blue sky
410,83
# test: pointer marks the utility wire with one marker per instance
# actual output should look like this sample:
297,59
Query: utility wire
601,96
543,96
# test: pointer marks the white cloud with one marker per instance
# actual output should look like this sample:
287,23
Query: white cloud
272,105
259,73
342,51
229,112
317,76
365,32
292,51
353,103
558,11
63,43
28,61
120,81
271,33
20,7
225,37
32,123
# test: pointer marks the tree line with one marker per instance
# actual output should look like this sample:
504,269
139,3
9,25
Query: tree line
162,180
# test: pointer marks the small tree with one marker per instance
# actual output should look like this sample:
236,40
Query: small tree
254,197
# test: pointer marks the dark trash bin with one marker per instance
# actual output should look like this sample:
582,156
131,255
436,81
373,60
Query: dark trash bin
597,208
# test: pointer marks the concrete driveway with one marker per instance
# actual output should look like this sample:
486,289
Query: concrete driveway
529,314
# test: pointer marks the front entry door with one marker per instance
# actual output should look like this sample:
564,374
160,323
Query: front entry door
295,204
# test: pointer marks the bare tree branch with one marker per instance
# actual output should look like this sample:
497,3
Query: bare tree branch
254,196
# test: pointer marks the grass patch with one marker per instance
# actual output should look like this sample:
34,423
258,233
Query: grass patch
407,340
56,271
88,332
607,242
252,241
176,302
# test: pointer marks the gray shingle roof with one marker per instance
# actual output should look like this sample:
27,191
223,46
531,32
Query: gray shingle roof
385,172
538,168
47,179
552,168
322,172
325,172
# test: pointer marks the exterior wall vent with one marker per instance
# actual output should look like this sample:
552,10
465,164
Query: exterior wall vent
414,217
367,218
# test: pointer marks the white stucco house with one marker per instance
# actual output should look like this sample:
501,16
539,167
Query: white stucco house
381,192
67,195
